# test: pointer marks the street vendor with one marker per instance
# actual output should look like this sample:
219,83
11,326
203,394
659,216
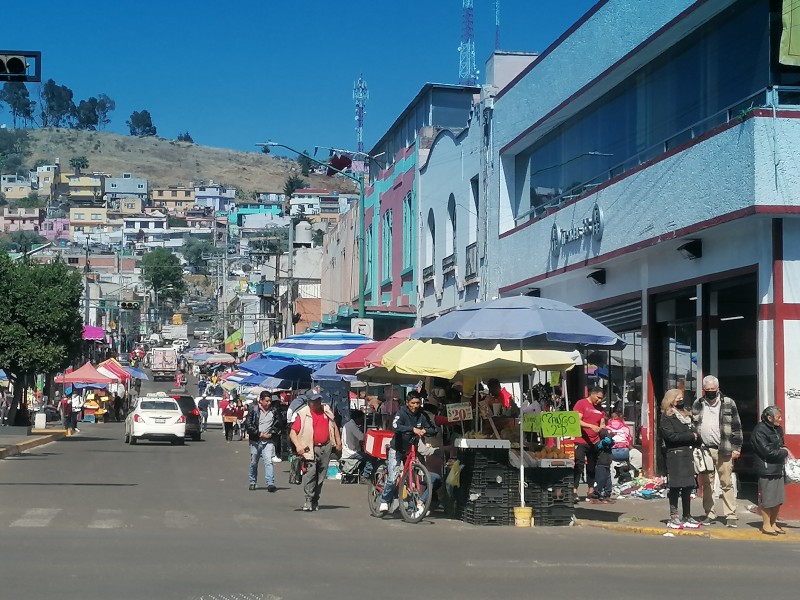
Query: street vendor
592,421
498,394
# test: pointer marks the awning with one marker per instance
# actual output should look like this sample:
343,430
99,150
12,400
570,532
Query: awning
86,374
90,332
233,341
357,359
255,347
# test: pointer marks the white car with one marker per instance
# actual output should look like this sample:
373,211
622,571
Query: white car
198,333
214,410
155,417
180,345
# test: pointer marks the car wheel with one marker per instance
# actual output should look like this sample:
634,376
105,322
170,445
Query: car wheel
133,441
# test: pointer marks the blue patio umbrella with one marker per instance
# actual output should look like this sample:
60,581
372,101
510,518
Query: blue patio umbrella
137,373
328,373
3,375
281,370
314,350
521,322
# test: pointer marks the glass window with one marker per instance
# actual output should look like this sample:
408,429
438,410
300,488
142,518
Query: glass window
368,266
677,96
408,231
174,194
386,246
97,217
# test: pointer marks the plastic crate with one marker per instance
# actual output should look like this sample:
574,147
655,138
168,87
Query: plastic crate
486,496
546,497
483,457
478,514
549,477
554,516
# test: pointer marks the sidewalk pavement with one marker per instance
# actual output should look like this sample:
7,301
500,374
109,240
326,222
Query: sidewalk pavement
14,445
649,517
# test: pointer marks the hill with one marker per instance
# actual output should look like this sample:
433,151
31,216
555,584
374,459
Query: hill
169,162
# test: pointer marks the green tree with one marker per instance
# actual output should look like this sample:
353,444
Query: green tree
32,200
162,270
306,164
194,249
318,237
185,137
86,117
41,328
19,241
141,124
14,149
15,95
56,105
292,184
174,221
78,162
105,105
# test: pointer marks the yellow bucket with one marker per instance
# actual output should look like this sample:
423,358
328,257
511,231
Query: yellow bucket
523,516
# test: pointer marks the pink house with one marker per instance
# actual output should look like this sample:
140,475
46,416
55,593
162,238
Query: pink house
55,230
20,219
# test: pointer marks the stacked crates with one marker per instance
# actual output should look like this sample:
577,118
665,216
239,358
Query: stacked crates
483,498
549,492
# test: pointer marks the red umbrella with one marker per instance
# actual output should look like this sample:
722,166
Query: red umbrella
374,358
86,374
357,359
114,368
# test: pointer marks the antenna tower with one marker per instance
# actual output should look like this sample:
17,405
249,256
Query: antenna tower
497,24
360,95
467,73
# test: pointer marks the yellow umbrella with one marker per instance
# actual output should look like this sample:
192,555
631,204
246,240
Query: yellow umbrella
429,359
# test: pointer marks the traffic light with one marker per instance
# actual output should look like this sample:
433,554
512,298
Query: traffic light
130,305
15,65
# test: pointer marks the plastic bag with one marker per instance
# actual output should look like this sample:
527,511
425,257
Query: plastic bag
791,471
454,477
296,471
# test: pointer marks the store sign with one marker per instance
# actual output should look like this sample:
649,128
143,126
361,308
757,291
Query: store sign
362,326
591,227
561,424
459,412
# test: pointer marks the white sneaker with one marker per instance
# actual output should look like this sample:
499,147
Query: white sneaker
76,430
384,507
277,459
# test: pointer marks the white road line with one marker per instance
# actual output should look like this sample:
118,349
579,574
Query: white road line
107,519
177,519
36,517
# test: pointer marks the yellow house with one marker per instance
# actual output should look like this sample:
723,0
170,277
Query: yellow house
176,199
87,219
131,206
81,189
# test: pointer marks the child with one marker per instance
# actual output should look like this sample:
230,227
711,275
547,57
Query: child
602,472
621,435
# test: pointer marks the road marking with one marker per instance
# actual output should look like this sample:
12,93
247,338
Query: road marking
36,517
107,519
177,519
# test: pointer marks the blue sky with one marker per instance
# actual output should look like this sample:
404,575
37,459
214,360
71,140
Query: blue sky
270,69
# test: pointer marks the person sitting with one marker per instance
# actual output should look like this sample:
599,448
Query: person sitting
353,455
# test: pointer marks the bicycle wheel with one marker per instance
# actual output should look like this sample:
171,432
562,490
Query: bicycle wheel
415,493
375,488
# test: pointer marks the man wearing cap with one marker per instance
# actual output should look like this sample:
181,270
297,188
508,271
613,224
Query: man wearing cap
314,434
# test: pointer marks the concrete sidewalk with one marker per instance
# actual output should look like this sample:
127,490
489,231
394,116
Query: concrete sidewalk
649,517
14,445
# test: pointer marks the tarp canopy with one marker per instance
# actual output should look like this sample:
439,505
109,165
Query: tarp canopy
137,373
86,374
314,349
394,340
356,360
90,332
111,368
328,373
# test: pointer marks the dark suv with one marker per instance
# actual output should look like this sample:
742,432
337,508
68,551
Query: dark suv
189,410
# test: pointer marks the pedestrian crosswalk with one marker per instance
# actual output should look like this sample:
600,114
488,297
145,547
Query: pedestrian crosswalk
93,518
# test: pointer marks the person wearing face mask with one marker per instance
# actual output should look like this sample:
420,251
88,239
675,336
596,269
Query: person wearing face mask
716,420
679,438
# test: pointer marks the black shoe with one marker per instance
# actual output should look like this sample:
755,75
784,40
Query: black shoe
252,487
315,506
271,488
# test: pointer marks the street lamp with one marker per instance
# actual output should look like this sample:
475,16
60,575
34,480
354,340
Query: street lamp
361,212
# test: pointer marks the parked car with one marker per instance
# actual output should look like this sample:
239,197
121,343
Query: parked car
155,417
189,410
198,333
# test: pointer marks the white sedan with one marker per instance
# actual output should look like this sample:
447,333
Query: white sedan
155,417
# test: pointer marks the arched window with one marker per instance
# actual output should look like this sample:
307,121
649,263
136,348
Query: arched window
450,239
430,240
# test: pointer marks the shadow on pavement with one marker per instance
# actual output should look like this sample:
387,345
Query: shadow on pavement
591,514
72,484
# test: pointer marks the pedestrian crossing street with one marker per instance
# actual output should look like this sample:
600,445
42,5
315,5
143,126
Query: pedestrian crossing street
109,518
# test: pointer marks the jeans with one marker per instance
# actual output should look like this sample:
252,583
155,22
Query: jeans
73,420
316,472
602,481
265,450
203,420
584,452
621,454
394,463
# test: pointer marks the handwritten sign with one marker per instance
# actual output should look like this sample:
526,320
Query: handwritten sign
532,422
561,424
459,412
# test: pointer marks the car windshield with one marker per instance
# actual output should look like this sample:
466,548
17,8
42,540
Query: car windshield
158,405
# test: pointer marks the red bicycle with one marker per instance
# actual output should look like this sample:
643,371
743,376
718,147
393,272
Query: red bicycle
414,487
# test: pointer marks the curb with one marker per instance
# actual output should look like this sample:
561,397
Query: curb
39,440
709,533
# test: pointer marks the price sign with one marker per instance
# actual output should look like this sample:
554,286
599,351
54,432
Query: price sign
459,412
561,424
532,422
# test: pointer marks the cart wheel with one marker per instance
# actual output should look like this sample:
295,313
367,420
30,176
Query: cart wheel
375,488
415,493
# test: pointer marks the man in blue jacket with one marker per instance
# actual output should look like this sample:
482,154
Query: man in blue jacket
410,425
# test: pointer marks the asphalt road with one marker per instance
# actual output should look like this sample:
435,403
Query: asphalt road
90,517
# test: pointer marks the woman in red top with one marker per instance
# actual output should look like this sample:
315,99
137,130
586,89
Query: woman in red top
592,421
228,420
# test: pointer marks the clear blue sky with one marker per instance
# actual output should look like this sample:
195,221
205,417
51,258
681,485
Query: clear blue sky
245,71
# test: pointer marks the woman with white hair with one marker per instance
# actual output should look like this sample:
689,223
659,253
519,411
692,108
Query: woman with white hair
767,440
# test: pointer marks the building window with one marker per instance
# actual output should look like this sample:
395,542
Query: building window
180,203
140,186
160,192
187,194
386,246
79,216
113,185
430,240
368,261
408,231
130,205
72,260
174,194
97,217
450,241
158,225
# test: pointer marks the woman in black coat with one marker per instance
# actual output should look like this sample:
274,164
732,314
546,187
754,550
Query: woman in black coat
679,439
767,440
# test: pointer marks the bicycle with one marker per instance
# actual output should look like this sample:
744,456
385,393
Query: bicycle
414,487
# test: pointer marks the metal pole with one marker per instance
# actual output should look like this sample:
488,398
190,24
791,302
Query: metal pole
290,282
362,254
224,290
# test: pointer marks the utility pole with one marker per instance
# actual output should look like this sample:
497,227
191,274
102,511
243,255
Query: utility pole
225,290
290,282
